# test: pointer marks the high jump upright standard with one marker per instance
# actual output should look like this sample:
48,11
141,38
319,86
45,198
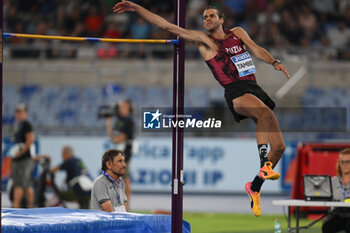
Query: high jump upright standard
1,22
178,134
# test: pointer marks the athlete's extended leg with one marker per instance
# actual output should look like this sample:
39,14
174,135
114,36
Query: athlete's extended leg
252,107
267,131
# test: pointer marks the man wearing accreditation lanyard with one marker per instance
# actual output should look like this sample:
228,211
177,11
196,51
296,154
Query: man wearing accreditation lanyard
339,218
232,66
108,192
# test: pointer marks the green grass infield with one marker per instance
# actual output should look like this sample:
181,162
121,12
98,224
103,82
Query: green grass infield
242,223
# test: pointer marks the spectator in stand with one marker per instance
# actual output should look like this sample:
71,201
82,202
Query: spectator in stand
109,50
324,24
94,22
79,30
112,31
307,21
340,39
290,29
274,37
140,29
12,18
269,15
71,18
339,36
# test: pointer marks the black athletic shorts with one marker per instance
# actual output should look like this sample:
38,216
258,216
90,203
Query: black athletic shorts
237,89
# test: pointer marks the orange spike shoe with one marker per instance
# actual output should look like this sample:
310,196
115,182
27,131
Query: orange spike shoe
254,199
267,173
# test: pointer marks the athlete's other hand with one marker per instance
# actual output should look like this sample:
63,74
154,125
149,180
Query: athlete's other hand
279,66
124,6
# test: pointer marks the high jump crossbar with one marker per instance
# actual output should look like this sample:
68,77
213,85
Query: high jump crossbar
91,39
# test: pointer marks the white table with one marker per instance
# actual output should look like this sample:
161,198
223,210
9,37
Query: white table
299,203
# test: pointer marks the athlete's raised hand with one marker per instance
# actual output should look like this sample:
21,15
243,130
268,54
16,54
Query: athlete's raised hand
279,66
124,6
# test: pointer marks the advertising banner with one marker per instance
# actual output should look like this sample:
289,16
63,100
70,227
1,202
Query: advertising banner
211,165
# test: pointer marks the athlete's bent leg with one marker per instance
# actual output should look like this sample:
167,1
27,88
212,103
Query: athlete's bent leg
267,127
276,142
252,107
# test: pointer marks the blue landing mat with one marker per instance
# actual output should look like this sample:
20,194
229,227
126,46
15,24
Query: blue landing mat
62,220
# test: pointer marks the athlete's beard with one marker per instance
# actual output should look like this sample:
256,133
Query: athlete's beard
117,174
214,29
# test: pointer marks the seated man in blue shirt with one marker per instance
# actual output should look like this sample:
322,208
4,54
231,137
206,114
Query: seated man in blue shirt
78,181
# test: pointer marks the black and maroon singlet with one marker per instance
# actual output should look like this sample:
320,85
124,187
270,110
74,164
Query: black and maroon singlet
222,66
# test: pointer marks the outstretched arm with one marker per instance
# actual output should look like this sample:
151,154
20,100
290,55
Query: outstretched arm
258,51
191,35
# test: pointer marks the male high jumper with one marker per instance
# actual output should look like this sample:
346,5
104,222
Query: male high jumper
231,64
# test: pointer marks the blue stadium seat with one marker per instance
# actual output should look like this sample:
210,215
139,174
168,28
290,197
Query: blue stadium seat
197,97
11,97
27,91
135,94
112,93
157,97
311,96
328,103
216,94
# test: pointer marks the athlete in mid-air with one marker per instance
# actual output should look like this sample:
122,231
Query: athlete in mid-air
232,66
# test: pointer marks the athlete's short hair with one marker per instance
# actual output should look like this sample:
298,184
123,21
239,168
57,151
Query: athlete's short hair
345,151
220,13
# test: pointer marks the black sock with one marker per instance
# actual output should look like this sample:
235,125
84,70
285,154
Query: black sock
256,184
262,148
